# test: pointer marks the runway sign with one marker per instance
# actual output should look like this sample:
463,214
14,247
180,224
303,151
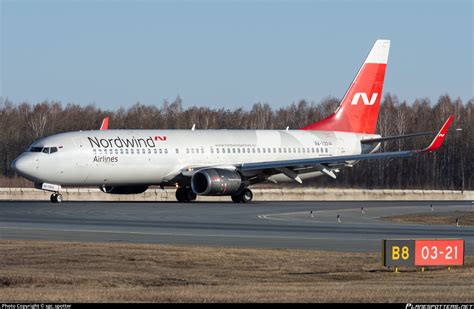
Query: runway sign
439,252
422,252
398,252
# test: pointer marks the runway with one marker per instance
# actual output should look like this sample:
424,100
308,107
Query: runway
286,225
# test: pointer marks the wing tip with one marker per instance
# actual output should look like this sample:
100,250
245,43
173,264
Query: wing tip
439,138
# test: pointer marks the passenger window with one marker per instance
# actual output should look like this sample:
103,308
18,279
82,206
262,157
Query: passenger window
223,150
187,150
233,150
161,151
263,149
217,150
326,150
177,150
166,150
238,150
253,150
131,151
116,151
126,151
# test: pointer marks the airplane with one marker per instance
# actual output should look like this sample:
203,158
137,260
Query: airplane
220,162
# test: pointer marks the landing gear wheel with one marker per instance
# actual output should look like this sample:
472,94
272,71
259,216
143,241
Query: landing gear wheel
180,195
56,198
246,196
190,195
59,198
185,195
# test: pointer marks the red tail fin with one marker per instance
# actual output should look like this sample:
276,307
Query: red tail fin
105,124
359,109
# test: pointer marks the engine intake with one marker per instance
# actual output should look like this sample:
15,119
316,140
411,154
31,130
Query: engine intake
214,181
123,189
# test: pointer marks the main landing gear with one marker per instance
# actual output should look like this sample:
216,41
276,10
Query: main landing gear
185,194
245,196
56,197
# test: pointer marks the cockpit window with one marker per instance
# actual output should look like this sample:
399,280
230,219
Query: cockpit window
47,150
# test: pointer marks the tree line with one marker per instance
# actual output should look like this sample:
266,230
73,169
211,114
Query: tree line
452,167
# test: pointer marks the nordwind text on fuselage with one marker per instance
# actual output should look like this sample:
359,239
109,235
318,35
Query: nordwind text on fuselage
119,142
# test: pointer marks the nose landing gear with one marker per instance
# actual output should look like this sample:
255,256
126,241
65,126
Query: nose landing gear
56,197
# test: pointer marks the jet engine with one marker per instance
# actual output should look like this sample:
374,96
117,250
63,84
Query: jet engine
123,189
214,181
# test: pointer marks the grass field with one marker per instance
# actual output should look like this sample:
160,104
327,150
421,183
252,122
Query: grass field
40,271
442,218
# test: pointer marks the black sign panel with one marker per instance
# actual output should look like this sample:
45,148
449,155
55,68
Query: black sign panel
398,252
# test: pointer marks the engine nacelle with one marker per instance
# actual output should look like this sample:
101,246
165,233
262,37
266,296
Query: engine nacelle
123,189
214,181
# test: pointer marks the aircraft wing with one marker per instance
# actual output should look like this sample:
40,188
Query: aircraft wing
435,144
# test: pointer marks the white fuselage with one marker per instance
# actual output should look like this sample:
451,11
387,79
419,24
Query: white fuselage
133,157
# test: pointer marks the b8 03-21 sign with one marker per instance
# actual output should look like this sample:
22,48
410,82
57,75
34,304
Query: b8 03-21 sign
422,252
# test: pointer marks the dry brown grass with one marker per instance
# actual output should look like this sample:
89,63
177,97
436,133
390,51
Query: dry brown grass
15,182
445,218
40,271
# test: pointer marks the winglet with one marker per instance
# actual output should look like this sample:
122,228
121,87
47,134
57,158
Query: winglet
105,124
439,138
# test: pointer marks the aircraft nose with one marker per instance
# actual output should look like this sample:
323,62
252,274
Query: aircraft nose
23,165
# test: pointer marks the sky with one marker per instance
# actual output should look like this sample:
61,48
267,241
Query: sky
229,54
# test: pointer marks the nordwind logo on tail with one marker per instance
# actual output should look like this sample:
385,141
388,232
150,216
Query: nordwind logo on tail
365,98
